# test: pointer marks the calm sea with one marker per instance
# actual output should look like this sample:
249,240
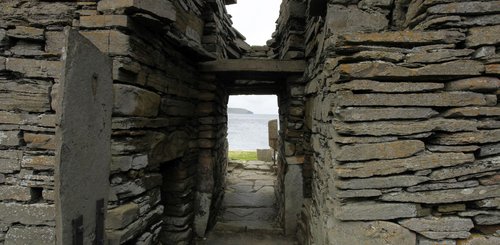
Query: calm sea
248,131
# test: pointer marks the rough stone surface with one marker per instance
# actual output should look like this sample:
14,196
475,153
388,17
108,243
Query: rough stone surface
376,211
133,101
439,227
30,236
381,182
415,163
445,196
390,150
356,114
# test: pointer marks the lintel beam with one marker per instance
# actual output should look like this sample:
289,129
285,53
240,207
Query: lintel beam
254,66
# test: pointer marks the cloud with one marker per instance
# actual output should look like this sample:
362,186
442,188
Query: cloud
258,104
255,19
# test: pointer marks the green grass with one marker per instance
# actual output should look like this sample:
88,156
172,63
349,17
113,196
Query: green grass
243,155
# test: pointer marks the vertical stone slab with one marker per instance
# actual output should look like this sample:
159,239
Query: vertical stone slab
294,197
83,137
273,134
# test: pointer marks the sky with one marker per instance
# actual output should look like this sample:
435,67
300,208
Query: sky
256,20
258,104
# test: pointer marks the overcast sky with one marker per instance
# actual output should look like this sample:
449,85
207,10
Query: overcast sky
256,20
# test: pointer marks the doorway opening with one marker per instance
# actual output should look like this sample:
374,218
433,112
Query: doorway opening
249,201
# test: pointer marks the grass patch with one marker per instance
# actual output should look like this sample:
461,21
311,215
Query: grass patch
243,155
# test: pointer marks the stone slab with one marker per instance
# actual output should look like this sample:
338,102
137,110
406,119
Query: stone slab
381,182
83,138
376,211
357,114
370,233
30,236
445,196
389,150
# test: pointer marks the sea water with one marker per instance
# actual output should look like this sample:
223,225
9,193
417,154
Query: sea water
248,131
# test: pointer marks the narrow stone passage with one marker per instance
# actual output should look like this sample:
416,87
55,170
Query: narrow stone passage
249,212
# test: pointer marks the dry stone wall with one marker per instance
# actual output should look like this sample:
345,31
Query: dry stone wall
404,113
31,43
158,139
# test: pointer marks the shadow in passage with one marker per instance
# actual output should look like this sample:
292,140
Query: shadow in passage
249,213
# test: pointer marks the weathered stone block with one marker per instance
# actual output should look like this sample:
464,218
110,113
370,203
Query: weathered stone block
163,8
134,101
40,141
54,42
376,211
9,138
465,8
110,41
465,138
25,32
439,227
479,166
404,127
25,95
35,68
477,239
41,162
122,216
10,161
381,182
370,233
443,186
472,112
30,236
481,84
415,163
403,37
445,196
354,114
437,56
389,150
386,87
341,19
100,21
386,70
28,214
17,193
443,99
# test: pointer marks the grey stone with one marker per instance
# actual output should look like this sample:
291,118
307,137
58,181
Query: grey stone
83,136
415,163
478,239
162,9
473,112
478,166
490,149
28,214
30,236
385,87
389,150
134,101
443,99
25,32
445,196
16,193
491,218
123,215
489,203
481,84
439,227
389,128
443,186
9,138
465,8
376,211
370,233
381,182
403,37
484,52
35,68
444,148
465,138
348,19
25,95
358,193
294,197
426,241
10,161
354,114
437,56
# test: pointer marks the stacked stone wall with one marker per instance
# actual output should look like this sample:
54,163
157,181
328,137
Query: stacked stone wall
31,44
404,115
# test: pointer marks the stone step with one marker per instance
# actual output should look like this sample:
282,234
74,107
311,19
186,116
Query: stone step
248,226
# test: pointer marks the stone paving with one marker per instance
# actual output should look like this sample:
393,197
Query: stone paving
249,208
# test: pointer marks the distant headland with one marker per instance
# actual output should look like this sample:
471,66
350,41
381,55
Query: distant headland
238,111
